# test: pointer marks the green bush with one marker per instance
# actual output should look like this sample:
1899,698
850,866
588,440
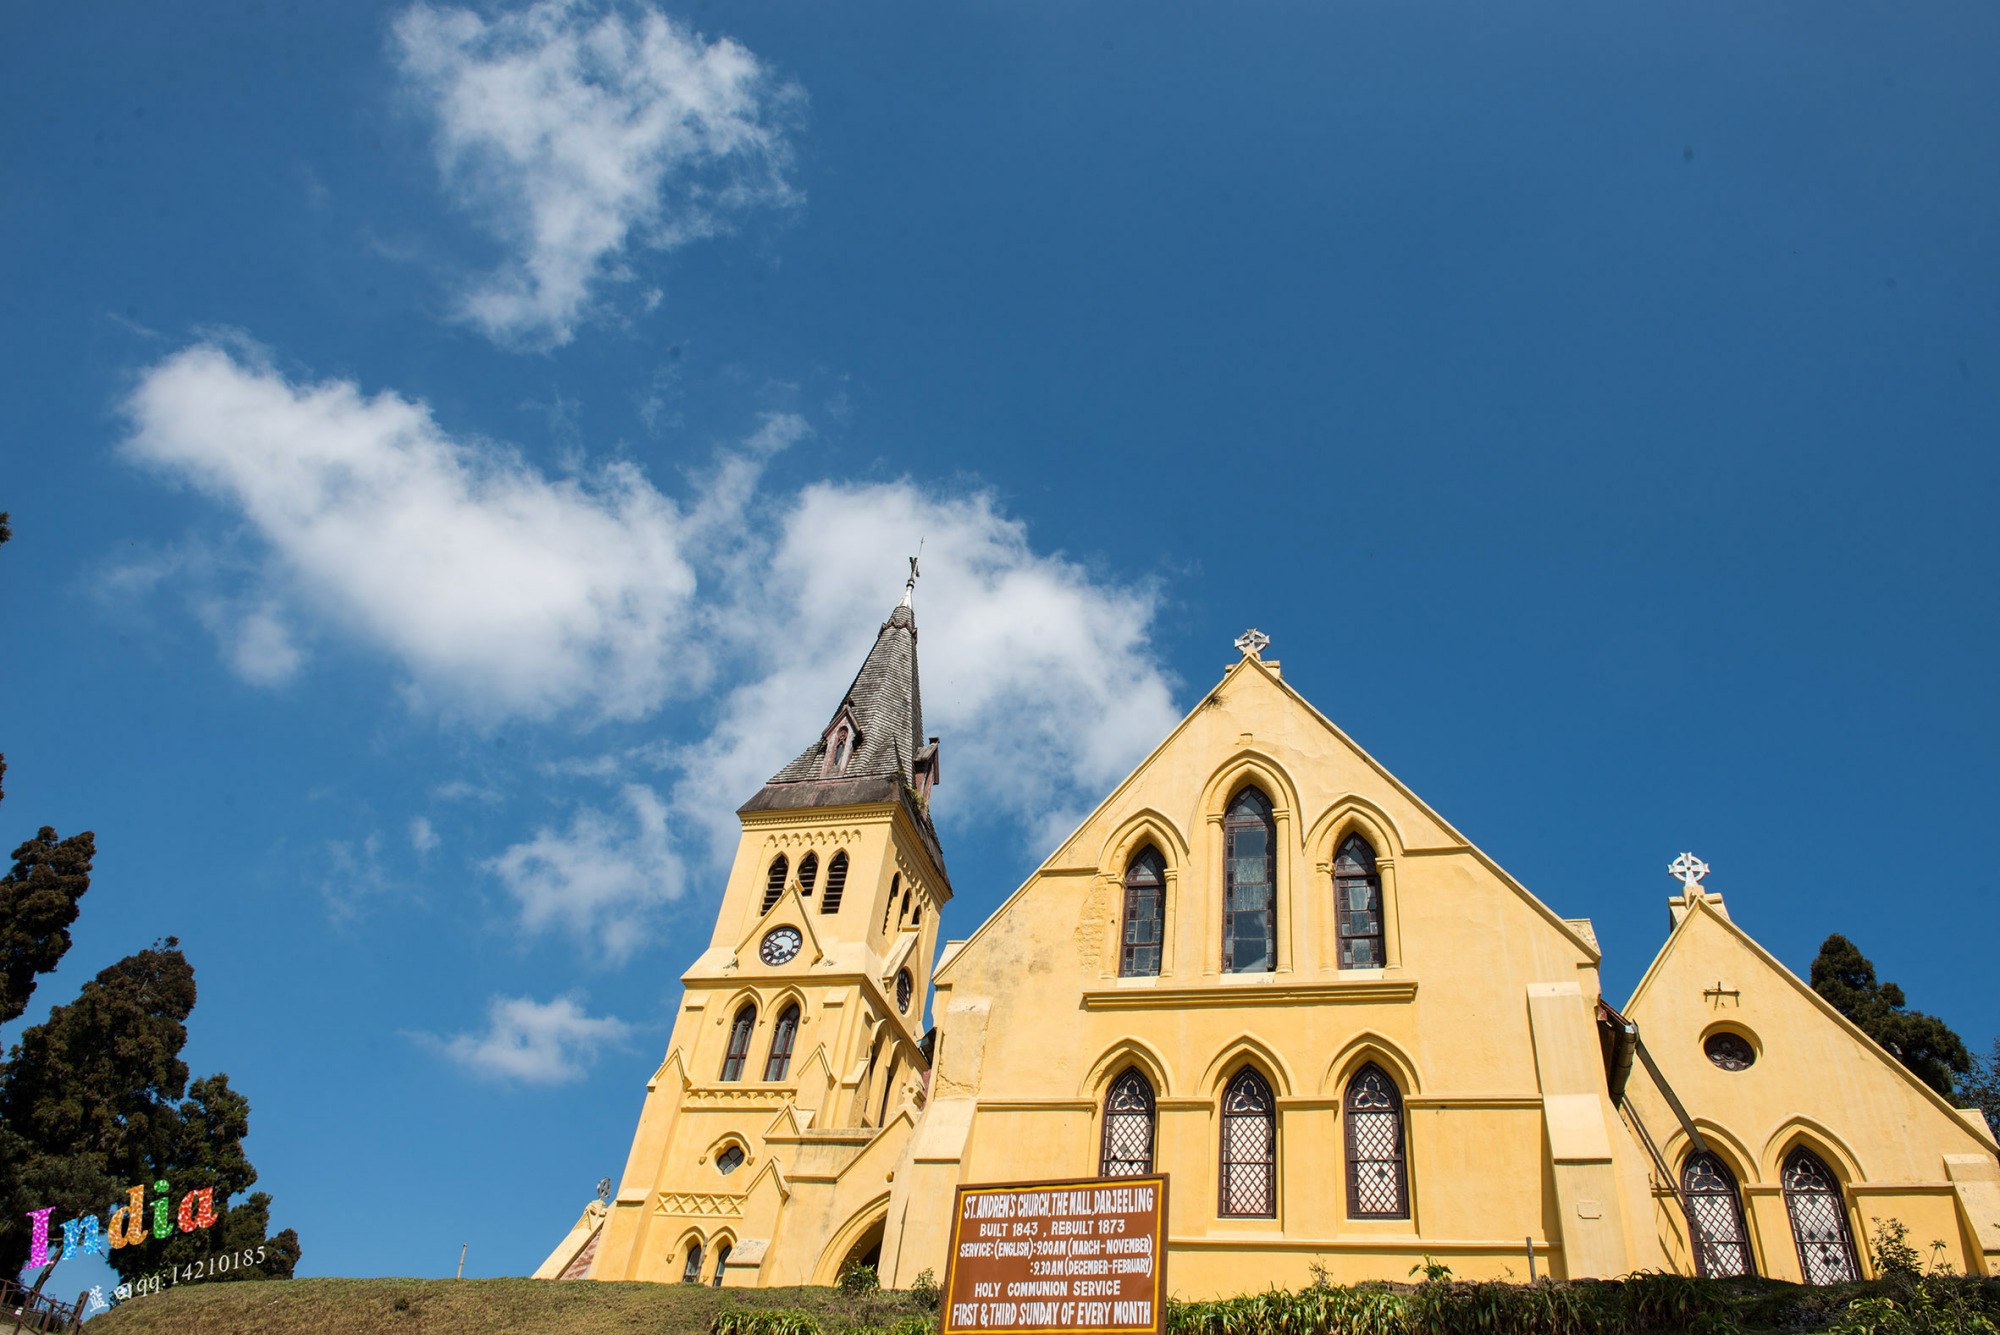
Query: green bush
924,1291
857,1280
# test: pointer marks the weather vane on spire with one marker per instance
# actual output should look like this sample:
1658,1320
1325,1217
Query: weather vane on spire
910,587
1689,869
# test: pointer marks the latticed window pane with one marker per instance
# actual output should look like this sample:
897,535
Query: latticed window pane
1249,942
1128,1127
779,1064
1722,1245
1145,890
1375,1169
1249,1148
1819,1221
774,884
836,883
1357,906
739,1043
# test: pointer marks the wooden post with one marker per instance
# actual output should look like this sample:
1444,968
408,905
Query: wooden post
76,1317
1531,1259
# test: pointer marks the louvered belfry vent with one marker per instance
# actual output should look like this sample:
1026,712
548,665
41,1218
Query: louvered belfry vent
836,881
775,886
808,872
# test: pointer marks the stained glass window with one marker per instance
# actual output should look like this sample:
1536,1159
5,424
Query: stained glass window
1723,1247
1249,1148
1145,892
1128,1127
779,1063
739,1043
1249,927
1375,1169
1729,1051
1357,905
1819,1220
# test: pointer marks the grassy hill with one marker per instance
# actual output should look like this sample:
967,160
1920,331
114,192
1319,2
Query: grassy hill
469,1307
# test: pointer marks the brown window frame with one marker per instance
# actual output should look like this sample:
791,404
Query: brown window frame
1836,1197
778,1062
1398,1157
1726,1189
738,1053
1234,822
1140,894
1129,1096
774,882
1251,1079
1343,916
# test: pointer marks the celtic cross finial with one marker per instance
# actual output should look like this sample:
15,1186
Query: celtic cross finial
1689,870
1251,642
910,587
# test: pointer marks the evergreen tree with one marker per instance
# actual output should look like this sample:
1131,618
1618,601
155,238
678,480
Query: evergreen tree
96,1100
38,902
1981,1089
1923,1043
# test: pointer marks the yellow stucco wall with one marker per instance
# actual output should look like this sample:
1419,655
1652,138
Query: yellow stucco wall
1485,1017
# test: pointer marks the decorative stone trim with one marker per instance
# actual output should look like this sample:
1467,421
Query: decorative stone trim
1255,994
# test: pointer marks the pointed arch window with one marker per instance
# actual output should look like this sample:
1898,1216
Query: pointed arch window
895,888
721,1261
808,872
1818,1213
1357,905
836,883
839,750
739,1043
1724,1244
774,883
691,1272
779,1063
1249,935
1128,1127
1249,1148
1145,902
1376,1180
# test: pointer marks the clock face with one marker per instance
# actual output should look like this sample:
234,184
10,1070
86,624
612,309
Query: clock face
903,991
780,944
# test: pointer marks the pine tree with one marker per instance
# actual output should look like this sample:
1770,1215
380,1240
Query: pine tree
1923,1043
38,902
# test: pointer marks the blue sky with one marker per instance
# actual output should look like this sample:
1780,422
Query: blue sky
456,455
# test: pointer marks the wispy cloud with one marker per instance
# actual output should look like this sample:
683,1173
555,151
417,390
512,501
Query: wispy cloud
533,1042
503,592
422,837
575,132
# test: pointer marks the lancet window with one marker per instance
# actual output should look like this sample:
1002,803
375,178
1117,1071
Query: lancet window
1145,907
721,1261
1249,926
1249,1148
691,1272
895,888
836,883
739,1043
808,872
1819,1220
1723,1245
1128,1127
774,884
1377,1183
779,1063
1357,905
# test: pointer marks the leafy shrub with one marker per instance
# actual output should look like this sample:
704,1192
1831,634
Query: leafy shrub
749,1321
924,1291
858,1280
1895,1258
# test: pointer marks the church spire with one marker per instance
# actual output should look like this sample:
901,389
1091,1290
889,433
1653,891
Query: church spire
873,748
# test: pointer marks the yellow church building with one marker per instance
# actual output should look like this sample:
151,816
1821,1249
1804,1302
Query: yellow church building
1266,967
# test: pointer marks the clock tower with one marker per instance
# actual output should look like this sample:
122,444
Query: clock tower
799,1057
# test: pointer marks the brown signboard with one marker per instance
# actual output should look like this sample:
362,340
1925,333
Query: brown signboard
1086,1256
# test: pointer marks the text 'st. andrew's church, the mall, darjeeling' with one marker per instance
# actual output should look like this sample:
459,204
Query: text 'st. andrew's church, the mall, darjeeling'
1264,966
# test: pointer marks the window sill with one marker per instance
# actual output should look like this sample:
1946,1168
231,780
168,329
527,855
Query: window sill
1375,990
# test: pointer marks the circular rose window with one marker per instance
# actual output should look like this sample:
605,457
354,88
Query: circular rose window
903,989
780,944
1730,1051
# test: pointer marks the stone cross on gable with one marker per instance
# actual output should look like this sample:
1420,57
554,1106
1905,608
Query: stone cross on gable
1689,869
1251,642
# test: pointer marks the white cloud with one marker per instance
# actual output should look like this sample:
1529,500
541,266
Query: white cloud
422,837
601,879
575,131
503,592
539,1043
500,588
